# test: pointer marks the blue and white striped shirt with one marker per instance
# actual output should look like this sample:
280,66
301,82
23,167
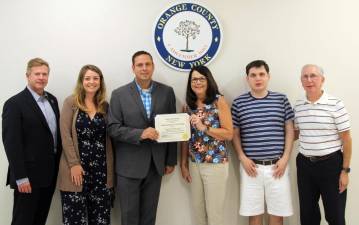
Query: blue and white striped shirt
262,124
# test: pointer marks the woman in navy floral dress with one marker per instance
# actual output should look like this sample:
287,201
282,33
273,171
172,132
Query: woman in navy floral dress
204,158
86,165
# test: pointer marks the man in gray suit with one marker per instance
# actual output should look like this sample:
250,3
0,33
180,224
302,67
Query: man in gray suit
140,160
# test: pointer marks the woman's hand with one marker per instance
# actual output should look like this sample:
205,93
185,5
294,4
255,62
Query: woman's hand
185,173
196,121
77,174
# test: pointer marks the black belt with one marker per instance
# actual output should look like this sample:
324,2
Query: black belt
265,162
321,158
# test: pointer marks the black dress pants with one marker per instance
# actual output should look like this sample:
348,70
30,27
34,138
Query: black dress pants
320,179
32,208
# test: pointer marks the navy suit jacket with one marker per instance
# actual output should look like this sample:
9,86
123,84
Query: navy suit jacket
28,141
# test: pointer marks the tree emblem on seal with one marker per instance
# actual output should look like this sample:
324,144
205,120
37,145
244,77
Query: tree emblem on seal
188,29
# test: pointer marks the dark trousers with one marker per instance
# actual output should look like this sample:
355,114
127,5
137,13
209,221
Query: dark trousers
32,208
139,198
320,179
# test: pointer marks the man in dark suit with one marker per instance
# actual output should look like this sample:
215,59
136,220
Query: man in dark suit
32,143
140,160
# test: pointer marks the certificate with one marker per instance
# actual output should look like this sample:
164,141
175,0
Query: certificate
173,127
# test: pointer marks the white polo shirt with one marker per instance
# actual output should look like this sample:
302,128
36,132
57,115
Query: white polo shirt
319,125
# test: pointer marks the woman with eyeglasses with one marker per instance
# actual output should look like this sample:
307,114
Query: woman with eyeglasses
204,158
86,167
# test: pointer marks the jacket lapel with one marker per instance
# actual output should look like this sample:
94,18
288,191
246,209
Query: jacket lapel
137,98
35,107
53,106
154,96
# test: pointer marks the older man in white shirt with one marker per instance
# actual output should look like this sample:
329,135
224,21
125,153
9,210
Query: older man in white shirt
325,146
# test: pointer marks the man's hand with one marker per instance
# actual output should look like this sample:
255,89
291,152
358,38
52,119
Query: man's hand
279,168
343,181
169,169
150,133
249,166
77,175
24,188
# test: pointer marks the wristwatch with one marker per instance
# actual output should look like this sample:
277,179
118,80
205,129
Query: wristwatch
206,129
346,169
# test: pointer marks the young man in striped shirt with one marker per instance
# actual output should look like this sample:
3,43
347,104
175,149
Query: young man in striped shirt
322,124
263,139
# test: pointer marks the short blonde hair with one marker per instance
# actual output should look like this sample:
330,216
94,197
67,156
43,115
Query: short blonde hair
80,94
36,62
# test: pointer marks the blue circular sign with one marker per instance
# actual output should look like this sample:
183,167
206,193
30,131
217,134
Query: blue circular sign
187,35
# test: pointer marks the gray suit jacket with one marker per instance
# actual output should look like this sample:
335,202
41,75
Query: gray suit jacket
126,121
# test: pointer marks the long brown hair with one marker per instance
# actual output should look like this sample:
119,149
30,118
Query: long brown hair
80,93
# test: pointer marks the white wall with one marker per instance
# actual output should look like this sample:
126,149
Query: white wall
287,34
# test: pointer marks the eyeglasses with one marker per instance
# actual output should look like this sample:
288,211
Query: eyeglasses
311,76
200,80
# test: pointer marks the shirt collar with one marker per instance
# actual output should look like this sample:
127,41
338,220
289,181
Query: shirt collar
37,97
323,100
149,90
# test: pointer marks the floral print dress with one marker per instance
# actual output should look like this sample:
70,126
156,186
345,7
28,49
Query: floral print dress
92,205
202,147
